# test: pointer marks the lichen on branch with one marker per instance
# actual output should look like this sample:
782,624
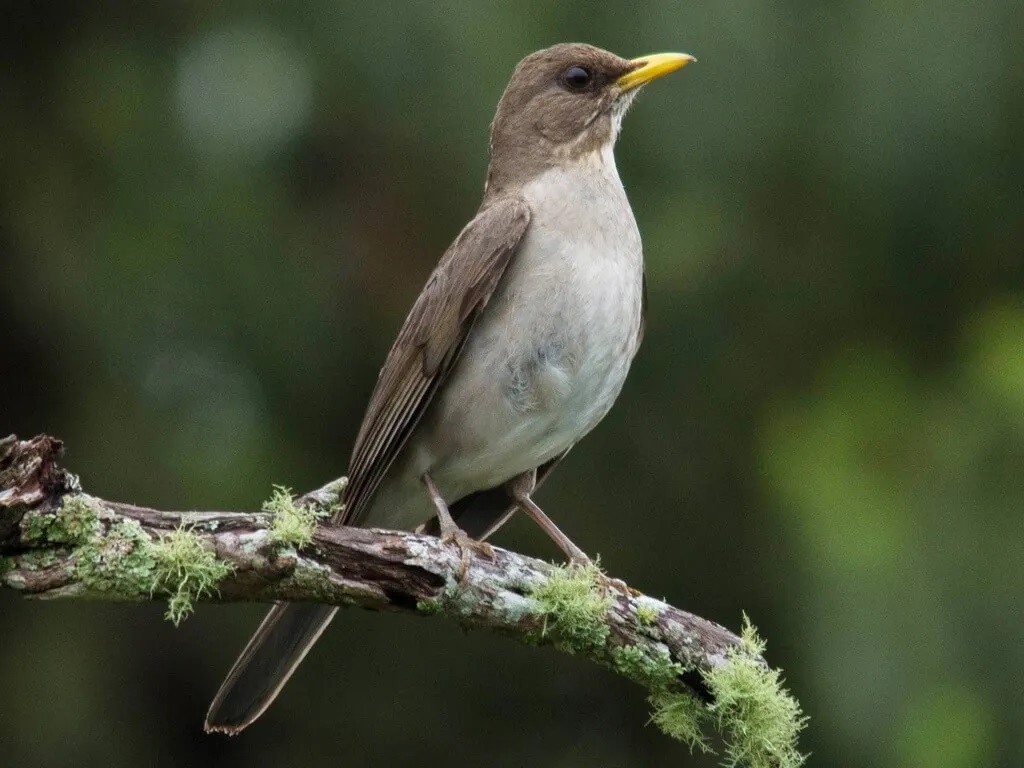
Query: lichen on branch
186,570
117,559
573,601
57,541
759,718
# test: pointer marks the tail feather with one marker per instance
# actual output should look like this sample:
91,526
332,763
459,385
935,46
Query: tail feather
264,666
290,629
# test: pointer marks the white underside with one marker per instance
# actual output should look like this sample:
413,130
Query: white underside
548,355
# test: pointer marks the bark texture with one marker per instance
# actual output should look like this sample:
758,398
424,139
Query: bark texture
56,541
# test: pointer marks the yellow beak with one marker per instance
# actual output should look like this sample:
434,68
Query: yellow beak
651,68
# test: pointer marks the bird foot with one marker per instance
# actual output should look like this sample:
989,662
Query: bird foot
580,560
467,546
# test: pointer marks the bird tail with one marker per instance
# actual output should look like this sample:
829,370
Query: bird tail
290,629
264,666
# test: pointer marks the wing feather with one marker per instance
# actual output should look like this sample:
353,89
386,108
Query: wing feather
429,343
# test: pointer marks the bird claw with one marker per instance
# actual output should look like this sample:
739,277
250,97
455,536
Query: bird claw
467,546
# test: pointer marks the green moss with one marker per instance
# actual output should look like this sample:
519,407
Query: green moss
573,601
338,507
186,570
313,581
119,564
654,672
646,614
78,519
40,560
35,526
6,566
678,714
681,716
429,607
126,563
292,525
75,522
758,717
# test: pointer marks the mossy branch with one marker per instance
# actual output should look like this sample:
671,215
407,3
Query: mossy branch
58,542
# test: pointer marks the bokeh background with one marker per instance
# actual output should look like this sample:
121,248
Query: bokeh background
213,217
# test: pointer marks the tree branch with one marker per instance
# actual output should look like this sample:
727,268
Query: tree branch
58,542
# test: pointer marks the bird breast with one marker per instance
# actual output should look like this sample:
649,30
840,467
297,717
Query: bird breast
551,351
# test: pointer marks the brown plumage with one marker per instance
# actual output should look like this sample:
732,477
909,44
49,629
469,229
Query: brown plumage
429,343
516,347
540,120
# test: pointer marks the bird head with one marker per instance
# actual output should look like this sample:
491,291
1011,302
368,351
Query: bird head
565,102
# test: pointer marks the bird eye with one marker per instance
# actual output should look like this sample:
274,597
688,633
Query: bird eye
577,77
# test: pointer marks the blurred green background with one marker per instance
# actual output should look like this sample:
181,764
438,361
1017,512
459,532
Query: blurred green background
213,217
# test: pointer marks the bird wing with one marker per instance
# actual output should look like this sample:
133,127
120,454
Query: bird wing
429,343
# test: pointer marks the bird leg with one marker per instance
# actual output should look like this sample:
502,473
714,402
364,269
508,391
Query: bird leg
450,531
521,487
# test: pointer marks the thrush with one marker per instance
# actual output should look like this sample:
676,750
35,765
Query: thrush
516,348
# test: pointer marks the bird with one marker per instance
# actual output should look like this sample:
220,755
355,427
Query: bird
516,347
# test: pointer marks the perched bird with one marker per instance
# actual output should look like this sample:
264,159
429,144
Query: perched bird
515,349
